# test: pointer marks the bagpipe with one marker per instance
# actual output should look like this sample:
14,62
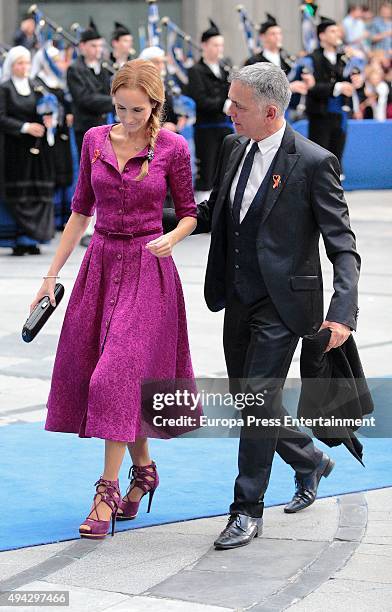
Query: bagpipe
153,24
179,50
250,30
3,54
354,65
308,26
3,51
42,21
47,103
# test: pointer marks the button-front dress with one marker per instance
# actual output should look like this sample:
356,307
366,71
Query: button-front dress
125,320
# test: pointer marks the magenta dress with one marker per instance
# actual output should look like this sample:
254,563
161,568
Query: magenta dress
125,320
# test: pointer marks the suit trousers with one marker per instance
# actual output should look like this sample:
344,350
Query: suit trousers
258,350
327,131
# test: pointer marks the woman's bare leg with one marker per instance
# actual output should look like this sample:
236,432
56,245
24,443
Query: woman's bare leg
140,455
114,455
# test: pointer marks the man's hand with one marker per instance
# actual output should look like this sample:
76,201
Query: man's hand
298,87
339,335
309,80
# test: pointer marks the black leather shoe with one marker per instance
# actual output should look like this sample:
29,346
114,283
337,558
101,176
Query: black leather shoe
239,531
33,250
306,485
18,250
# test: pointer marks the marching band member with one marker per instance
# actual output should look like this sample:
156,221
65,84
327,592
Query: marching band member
271,43
271,39
208,86
48,70
122,45
325,101
28,170
89,84
25,35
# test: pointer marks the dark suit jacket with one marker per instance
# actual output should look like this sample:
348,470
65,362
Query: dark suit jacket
259,57
326,76
209,92
308,202
333,384
91,97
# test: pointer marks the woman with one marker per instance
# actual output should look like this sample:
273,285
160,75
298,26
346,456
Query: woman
125,319
28,171
48,70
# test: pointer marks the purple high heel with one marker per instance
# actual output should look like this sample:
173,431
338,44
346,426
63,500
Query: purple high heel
111,496
139,475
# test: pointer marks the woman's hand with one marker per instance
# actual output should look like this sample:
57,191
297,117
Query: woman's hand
47,288
69,119
162,246
36,129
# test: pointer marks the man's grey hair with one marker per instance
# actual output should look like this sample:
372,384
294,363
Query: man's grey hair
269,83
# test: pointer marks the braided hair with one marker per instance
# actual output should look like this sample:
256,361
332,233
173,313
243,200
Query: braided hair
143,74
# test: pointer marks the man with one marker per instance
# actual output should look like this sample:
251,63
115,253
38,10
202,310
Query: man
122,45
354,27
274,193
326,101
271,39
89,85
208,87
25,35
382,29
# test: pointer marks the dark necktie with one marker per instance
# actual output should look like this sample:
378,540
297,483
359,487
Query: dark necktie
242,181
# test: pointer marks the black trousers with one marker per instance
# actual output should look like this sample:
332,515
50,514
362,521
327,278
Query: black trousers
326,130
259,349
208,143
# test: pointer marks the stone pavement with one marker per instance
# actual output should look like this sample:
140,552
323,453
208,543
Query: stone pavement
336,555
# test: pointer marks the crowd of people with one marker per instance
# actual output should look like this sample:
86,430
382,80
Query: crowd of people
51,94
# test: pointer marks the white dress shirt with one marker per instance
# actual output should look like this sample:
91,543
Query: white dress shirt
331,56
96,66
215,68
272,57
261,163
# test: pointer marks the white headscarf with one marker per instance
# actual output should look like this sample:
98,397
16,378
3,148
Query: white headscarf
150,53
13,54
41,68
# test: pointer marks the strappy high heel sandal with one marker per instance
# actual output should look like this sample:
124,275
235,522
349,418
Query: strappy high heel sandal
140,477
111,496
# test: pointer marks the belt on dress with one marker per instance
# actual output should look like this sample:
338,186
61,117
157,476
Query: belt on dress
108,233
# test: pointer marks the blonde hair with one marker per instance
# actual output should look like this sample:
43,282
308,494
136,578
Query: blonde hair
143,74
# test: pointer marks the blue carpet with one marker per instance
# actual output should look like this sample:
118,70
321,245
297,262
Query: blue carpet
47,481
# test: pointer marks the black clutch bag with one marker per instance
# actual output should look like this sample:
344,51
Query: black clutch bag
41,314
